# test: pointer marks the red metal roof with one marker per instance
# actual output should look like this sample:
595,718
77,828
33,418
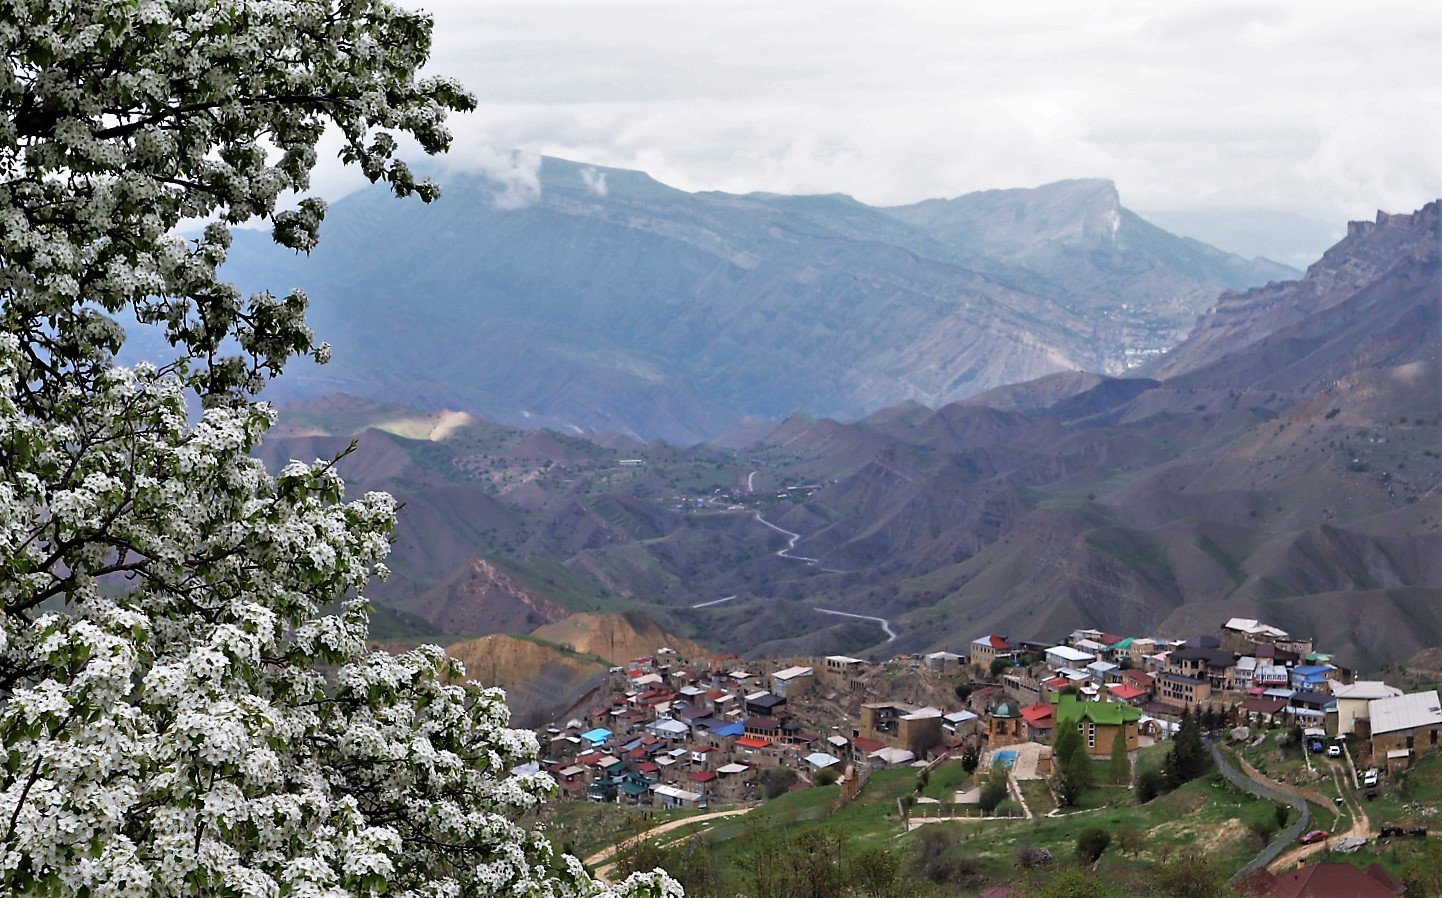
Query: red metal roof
704,776
1328,880
752,742
1125,691
1038,715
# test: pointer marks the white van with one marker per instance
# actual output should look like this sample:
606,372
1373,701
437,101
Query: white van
1369,778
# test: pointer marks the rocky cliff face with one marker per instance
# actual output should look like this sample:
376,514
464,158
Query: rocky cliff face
1138,287
1388,260
616,637
541,680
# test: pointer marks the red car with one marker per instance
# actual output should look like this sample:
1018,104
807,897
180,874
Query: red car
1316,835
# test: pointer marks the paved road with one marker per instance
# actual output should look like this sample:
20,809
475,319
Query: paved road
791,539
1264,790
885,625
751,482
713,602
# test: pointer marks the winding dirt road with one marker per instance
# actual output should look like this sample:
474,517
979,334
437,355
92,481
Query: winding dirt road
603,858
1361,825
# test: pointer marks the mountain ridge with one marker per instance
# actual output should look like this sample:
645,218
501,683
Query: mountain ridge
651,312
1130,503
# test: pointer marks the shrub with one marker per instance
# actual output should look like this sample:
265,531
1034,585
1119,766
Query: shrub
1150,784
993,793
1091,843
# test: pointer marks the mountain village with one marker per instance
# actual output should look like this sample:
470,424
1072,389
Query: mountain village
708,734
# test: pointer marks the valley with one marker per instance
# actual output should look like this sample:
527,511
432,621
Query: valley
1276,464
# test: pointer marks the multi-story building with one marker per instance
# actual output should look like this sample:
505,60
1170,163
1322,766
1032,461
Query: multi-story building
1181,691
990,647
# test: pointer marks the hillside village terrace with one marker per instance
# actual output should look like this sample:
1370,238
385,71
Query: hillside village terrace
697,733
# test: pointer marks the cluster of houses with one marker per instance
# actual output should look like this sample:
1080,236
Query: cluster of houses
674,732
1142,686
678,733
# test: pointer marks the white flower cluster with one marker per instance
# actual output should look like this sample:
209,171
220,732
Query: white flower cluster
208,726
188,705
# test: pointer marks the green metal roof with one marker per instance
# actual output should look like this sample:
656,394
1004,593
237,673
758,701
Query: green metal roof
1123,645
1070,711
1007,708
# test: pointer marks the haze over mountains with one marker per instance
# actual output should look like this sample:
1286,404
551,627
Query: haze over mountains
614,303
1283,462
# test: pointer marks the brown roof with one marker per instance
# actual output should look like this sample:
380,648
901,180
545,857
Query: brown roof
1261,704
1330,880
1137,677
1163,709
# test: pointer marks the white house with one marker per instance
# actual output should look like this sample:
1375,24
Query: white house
671,797
1061,656
821,760
1353,700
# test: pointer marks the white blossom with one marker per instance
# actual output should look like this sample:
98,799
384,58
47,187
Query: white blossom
187,702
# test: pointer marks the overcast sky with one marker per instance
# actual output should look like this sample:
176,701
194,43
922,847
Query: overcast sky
1327,110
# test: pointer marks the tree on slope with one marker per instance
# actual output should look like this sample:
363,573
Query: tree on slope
1121,762
1187,758
187,702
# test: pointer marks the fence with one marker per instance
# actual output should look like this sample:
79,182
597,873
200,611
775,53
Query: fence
1288,836
950,810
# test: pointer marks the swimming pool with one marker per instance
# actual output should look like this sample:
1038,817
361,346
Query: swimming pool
1006,758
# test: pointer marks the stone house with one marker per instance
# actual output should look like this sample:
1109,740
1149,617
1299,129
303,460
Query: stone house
1405,726
1181,691
988,648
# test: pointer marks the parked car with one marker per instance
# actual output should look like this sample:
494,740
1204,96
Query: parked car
1316,835
1369,779
1334,751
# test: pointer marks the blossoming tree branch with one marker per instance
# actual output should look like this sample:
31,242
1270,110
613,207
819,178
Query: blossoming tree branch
187,702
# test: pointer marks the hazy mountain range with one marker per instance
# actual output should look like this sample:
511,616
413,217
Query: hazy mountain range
1282,462
615,303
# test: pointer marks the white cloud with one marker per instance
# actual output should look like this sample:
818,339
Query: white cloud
516,172
595,181
1326,109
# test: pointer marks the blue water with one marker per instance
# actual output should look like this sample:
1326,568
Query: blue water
1006,758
